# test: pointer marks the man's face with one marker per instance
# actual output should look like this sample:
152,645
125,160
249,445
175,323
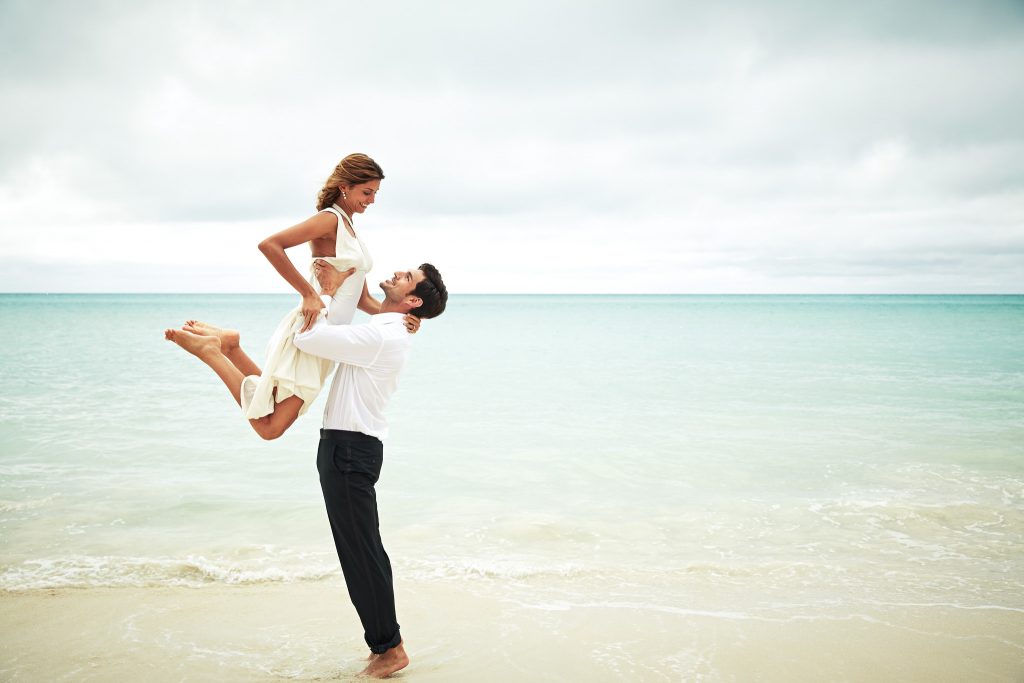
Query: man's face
402,284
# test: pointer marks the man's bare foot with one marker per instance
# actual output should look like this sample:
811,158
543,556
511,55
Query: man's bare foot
387,663
199,346
229,339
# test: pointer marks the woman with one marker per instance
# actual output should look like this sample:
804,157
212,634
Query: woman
273,398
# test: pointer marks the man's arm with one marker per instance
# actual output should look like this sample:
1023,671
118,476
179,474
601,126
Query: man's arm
353,344
336,314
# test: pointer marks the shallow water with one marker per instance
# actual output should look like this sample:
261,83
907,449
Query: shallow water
750,456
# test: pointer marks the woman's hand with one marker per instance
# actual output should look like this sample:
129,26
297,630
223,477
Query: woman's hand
412,323
311,307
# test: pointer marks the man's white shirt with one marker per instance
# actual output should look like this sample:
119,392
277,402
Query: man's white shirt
370,356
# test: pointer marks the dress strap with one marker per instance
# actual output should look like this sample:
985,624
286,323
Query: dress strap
340,213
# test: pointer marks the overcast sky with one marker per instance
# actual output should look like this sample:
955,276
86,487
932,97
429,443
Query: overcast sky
547,146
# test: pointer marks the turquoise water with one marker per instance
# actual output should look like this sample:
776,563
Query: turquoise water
559,449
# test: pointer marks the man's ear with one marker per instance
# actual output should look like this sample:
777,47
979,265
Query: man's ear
413,301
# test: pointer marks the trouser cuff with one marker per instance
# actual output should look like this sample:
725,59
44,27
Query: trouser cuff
384,647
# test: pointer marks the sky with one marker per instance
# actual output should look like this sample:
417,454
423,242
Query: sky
557,146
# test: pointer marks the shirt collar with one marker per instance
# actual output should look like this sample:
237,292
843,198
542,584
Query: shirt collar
386,318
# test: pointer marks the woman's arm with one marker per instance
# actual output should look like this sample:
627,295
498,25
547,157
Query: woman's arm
310,229
273,248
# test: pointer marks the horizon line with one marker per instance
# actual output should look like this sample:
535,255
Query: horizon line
105,293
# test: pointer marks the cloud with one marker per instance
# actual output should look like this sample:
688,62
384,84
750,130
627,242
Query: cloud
584,145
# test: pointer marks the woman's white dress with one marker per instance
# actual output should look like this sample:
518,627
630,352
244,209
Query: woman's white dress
292,372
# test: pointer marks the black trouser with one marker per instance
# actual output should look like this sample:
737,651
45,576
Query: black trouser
349,465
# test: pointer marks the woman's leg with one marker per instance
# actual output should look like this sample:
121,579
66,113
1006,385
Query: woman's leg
207,348
277,423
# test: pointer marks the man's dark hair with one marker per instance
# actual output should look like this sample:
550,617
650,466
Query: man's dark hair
433,293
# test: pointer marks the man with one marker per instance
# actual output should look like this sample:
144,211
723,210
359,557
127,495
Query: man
349,459
350,455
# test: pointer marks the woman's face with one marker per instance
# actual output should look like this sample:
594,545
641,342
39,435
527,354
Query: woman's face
362,195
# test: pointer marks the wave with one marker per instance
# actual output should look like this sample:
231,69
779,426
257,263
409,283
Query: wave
31,504
499,569
81,571
256,566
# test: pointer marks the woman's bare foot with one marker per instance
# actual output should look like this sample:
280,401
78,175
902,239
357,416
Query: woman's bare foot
387,663
229,339
200,346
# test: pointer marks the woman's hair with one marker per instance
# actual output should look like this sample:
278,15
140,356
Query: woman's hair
352,170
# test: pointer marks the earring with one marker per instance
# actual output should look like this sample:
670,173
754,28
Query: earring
343,195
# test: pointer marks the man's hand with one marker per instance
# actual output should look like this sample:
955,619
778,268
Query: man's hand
328,277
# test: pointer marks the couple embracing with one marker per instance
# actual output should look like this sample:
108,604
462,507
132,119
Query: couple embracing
369,357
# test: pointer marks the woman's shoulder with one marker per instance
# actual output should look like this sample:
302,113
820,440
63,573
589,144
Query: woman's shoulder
330,210
338,212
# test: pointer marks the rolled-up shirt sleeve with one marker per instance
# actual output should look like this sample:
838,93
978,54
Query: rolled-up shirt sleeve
336,315
353,344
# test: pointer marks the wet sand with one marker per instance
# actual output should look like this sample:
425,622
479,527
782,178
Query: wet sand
309,631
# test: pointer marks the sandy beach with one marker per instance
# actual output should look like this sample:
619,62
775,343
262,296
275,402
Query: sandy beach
308,631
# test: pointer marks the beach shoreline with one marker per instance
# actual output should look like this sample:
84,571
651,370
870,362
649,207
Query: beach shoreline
454,632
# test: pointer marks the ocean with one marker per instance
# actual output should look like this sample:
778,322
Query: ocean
762,459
